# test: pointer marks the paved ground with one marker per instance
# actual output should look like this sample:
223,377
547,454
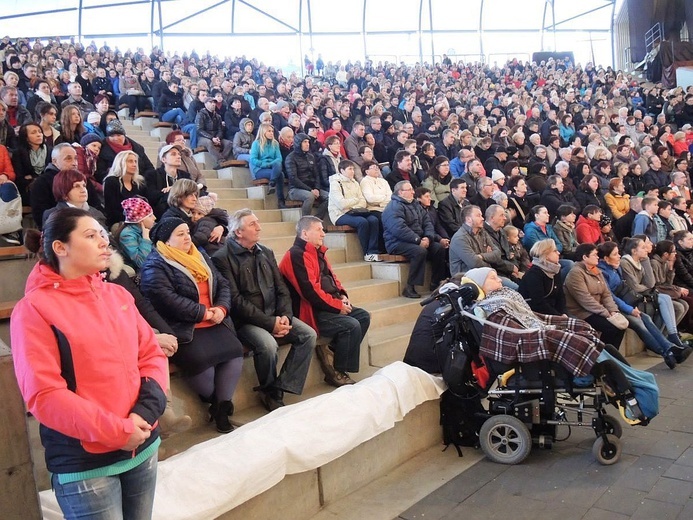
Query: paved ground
652,481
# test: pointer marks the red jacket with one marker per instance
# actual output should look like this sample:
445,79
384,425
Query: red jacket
588,231
313,283
85,359
6,164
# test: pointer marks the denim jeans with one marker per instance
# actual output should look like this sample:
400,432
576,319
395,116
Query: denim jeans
275,174
264,346
347,332
367,228
243,157
175,115
648,332
191,130
668,313
128,496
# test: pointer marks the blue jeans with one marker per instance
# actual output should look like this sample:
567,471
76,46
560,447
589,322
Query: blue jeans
566,266
243,157
275,174
347,332
367,228
648,332
175,115
191,130
667,312
128,496
264,346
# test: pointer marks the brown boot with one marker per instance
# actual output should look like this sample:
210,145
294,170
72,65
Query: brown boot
171,423
326,359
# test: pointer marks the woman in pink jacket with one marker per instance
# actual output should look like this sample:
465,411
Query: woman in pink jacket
91,372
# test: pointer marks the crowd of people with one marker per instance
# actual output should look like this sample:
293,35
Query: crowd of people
572,183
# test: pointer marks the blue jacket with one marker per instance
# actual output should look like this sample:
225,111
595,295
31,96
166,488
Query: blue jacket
614,277
644,224
405,222
533,234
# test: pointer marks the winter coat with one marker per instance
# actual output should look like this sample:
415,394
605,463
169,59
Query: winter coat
108,154
174,294
209,124
567,237
543,293
618,205
376,191
586,293
156,181
345,195
302,167
405,222
203,228
588,231
242,140
469,250
450,214
264,157
169,100
614,279
83,372
328,166
683,268
533,234
258,291
439,190
133,245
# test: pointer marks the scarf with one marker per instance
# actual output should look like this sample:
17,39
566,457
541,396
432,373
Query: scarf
127,145
38,159
513,304
550,269
192,260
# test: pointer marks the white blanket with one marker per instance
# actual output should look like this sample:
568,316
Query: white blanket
217,475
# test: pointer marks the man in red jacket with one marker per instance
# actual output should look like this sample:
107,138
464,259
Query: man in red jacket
320,301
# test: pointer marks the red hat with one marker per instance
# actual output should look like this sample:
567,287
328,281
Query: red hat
136,210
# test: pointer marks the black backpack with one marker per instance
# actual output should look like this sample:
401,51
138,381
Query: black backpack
461,417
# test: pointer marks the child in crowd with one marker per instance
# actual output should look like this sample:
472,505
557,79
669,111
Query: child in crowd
133,234
206,217
518,254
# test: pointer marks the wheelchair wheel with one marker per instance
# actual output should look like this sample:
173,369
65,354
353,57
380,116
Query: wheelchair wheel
607,454
612,425
505,439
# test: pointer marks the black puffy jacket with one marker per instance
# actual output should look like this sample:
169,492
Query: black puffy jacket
172,291
168,101
302,167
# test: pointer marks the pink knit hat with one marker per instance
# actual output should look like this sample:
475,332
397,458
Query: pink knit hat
136,210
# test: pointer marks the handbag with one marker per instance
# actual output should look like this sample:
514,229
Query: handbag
619,321
358,212
10,212
628,295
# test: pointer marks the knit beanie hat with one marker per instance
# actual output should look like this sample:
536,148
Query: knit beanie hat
136,210
115,127
88,139
478,275
93,118
206,204
163,230
497,175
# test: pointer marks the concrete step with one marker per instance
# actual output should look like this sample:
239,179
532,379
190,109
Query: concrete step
233,193
232,205
13,275
210,174
214,184
389,344
240,177
392,311
335,256
276,229
370,290
349,242
353,271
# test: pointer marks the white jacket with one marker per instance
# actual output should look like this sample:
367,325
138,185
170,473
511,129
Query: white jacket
376,191
345,194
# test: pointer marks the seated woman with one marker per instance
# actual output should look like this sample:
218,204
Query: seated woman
588,297
187,290
123,182
132,235
638,275
70,190
182,200
347,207
376,190
542,285
626,300
565,229
537,228
30,158
98,405
71,125
438,179
266,160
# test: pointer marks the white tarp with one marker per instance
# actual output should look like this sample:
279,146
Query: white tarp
217,475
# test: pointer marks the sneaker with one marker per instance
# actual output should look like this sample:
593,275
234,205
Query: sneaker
372,258
12,238
272,188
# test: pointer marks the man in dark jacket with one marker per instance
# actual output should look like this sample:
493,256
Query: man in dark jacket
159,181
450,208
304,177
408,231
210,132
553,198
321,301
261,310
655,175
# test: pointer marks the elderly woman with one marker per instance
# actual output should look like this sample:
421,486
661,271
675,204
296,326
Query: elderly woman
70,190
187,290
98,406
347,207
376,190
542,285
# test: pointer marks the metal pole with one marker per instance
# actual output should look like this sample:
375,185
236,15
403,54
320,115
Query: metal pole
161,26
79,21
300,37
363,32
420,24
481,31
310,34
430,24
613,45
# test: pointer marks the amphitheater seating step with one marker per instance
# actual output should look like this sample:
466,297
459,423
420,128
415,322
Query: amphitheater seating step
6,309
340,229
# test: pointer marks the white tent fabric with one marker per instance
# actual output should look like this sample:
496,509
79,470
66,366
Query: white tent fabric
218,475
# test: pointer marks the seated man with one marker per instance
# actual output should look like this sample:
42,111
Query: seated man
471,247
210,132
304,177
261,310
408,231
160,181
320,301
450,208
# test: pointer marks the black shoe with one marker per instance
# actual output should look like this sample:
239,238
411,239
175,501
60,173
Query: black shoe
224,409
409,292
681,354
670,359
174,127
13,238
271,402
